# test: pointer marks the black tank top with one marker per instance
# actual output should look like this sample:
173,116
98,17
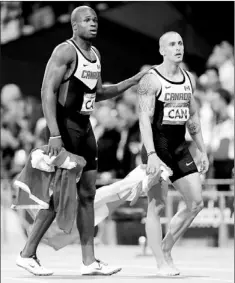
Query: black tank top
171,111
77,94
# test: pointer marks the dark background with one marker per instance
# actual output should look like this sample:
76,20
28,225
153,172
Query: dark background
123,49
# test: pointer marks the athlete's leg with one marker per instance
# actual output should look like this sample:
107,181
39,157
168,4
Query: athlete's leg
156,204
85,224
85,215
41,224
191,190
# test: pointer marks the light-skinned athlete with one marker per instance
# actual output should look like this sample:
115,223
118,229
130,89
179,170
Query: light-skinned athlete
166,108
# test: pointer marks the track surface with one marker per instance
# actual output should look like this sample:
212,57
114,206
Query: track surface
197,265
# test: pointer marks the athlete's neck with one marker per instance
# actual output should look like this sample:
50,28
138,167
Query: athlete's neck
83,44
170,69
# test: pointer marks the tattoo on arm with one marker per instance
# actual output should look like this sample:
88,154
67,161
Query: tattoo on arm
146,95
193,124
193,128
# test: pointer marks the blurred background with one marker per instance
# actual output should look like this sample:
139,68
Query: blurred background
128,42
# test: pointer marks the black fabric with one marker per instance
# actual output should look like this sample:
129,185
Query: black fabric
223,170
78,136
107,153
178,159
129,158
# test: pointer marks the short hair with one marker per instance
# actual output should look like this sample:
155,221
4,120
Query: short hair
224,94
78,10
161,39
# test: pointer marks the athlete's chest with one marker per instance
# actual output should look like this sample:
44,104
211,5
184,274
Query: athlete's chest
175,94
88,71
176,101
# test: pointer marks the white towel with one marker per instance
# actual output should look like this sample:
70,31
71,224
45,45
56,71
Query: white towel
107,199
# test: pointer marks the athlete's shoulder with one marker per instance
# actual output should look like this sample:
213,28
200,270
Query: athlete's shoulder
155,71
149,82
64,51
96,51
152,76
188,72
191,78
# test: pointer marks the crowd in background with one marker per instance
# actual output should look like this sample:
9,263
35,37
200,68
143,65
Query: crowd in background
115,121
115,124
26,17
23,18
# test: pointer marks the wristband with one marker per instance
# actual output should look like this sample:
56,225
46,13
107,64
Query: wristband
150,153
56,137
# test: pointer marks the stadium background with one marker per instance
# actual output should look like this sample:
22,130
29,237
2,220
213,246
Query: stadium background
128,41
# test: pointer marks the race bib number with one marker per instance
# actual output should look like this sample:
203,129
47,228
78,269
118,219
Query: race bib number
175,115
88,103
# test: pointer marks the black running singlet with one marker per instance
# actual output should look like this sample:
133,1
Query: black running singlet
78,92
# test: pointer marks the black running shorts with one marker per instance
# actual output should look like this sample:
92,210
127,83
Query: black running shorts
78,137
81,142
179,160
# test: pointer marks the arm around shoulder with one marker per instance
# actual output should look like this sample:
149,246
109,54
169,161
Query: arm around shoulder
109,91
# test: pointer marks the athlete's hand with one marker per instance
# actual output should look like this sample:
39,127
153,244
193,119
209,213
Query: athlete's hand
139,75
204,163
153,165
54,146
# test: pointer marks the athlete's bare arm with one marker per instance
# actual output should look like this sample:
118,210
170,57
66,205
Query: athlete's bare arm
147,89
56,68
105,92
194,128
193,124
146,105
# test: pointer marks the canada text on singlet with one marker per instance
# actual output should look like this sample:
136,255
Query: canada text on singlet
174,98
78,92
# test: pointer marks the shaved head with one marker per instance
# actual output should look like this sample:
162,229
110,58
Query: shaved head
76,14
165,37
171,46
84,22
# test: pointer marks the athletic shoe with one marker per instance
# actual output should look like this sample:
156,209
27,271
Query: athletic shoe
32,265
98,268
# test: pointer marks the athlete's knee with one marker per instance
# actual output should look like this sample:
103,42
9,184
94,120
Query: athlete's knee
196,206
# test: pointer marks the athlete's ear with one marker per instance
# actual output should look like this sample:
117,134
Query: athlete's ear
161,50
74,26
